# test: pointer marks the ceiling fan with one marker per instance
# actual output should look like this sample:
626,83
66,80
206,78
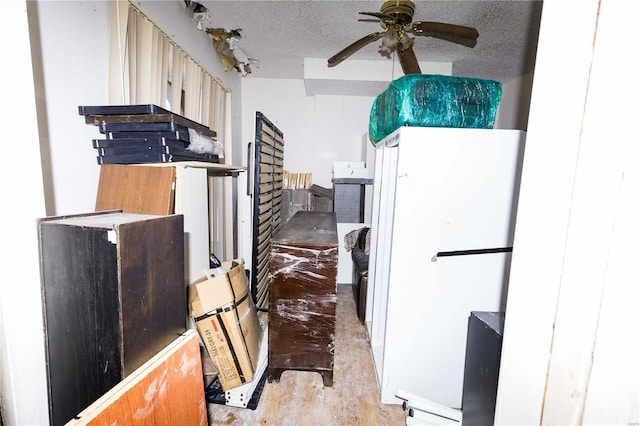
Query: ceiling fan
396,17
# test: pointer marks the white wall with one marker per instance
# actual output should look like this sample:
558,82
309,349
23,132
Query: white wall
513,110
318,130
570,350
23,394
72,77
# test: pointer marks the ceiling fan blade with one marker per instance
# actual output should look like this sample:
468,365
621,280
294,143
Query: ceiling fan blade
408,60
378,15
369,20
459,34
352,48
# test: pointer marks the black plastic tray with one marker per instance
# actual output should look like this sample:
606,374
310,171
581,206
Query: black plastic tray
124,113
142,127
148,142
178,134
143,158
122,109
134,149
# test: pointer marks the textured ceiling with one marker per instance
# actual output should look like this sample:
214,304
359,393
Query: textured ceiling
280,34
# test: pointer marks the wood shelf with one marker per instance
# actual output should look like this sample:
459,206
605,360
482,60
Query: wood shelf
213,169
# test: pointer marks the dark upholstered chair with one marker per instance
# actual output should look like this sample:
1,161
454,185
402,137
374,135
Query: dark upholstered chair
360,258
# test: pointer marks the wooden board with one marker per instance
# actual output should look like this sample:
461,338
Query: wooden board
167,390
136,189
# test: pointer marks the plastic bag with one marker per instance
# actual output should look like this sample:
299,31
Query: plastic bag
432,100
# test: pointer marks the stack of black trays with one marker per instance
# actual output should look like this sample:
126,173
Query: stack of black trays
136,134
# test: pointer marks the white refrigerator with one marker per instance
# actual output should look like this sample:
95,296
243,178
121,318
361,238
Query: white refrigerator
443,215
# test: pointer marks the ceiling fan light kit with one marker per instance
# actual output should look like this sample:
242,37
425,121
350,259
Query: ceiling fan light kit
396,18
389,42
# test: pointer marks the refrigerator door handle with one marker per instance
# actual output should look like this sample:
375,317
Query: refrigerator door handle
471,252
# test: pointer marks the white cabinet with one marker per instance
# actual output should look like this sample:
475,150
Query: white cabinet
444,204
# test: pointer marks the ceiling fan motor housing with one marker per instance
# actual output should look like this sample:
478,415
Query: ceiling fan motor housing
402,10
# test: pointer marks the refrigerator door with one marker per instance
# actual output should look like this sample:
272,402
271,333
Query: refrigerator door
437,190
427,325
380,253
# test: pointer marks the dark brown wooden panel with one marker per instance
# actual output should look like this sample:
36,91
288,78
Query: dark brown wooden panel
79,273
154,304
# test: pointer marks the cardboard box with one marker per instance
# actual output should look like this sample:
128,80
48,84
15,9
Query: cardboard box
227,320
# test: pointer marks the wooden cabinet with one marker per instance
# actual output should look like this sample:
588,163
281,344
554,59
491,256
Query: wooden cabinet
113,296
303,263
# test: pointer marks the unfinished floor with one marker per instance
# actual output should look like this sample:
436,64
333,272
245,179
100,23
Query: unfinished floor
300,398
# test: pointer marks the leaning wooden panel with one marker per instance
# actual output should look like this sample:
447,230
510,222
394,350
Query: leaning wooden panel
136,189
167,390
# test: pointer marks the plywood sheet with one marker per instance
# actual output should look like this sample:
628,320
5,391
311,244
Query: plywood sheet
167,390
136,189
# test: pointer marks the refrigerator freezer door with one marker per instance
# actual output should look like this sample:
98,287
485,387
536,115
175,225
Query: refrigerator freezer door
456,187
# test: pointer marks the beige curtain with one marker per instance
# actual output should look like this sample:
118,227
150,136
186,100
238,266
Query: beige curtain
147,67
192,89
118,52
177,74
